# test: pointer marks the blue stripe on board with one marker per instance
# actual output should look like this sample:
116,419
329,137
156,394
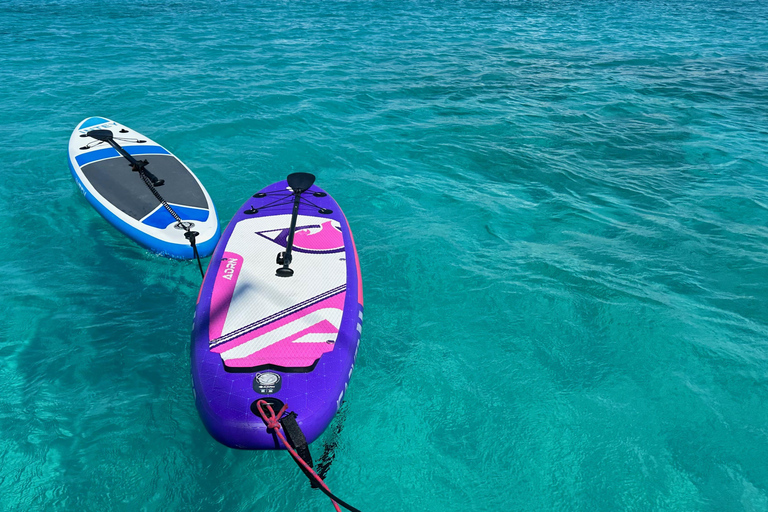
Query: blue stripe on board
178,251
101,154
92,121
161,217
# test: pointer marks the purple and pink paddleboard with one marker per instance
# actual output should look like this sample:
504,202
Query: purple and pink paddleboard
287,340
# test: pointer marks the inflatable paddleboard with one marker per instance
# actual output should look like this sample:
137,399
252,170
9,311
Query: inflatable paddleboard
109,182
286,333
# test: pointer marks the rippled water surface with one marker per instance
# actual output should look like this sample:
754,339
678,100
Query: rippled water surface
561,210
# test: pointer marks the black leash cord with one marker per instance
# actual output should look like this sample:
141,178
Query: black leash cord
142,172
189,235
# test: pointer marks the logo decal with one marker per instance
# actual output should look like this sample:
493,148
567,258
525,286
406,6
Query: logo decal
223,288
267,383
325,238
229,268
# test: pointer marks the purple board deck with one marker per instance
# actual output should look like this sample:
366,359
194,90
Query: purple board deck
290,340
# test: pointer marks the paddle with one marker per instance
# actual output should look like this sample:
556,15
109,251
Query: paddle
140,167
299,182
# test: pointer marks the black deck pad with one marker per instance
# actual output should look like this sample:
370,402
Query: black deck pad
120,185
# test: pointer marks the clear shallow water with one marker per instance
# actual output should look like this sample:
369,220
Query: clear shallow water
561,210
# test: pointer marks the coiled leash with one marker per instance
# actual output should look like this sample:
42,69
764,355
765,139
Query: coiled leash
186,226
276,423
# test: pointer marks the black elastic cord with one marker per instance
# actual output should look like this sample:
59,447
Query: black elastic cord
286,200
288,197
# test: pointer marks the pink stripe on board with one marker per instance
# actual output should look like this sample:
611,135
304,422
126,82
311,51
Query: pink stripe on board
288,354
223,287
335,301
357,263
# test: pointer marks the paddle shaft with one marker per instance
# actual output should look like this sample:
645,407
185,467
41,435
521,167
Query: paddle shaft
298,182
137,166
292,231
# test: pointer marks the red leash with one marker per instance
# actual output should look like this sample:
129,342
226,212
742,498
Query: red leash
273,422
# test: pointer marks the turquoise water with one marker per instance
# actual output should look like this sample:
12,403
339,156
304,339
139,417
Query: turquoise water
561,210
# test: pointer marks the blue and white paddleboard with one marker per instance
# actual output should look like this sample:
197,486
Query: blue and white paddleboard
121,196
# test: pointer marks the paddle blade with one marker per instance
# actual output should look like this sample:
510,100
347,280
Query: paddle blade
103,135
300,181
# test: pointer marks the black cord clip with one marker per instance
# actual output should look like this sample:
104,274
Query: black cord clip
190,235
